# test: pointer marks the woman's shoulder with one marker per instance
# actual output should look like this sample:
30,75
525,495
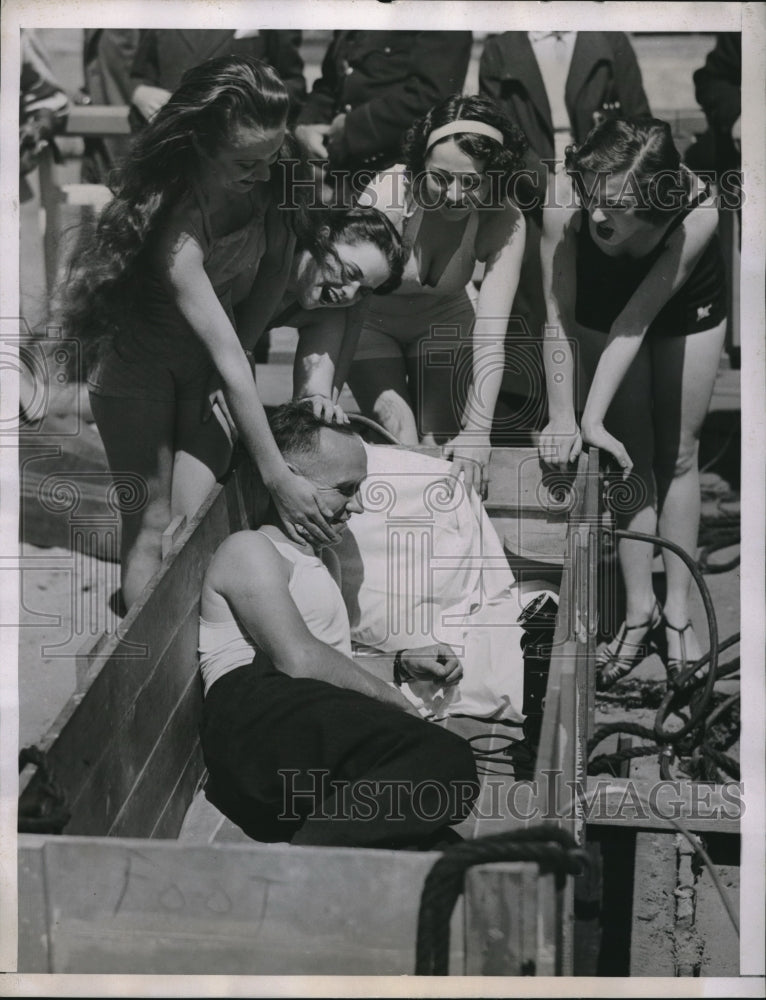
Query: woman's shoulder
498,226
186,218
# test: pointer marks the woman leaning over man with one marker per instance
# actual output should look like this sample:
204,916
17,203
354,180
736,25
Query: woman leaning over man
431,355
160,293
634,278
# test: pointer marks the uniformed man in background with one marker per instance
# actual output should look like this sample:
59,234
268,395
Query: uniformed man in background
373,86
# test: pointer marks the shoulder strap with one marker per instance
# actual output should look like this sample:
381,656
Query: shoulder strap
688,209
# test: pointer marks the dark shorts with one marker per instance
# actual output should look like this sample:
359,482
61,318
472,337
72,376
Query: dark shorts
302,760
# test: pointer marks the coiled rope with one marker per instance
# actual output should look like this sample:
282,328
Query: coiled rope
552,848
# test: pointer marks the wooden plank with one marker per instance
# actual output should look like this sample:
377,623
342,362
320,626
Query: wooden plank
561,760
149,795
652,937
51,204
94,196
114,798
85,657
84,730
171,534
170,820
98,119
121,906
32,910
646,805
502,920
518,482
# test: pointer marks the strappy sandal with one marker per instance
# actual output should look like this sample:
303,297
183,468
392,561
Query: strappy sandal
616,660
677,666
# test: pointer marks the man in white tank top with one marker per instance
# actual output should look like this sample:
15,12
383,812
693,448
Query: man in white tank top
301,743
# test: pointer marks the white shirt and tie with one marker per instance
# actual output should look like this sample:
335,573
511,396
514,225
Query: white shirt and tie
553,51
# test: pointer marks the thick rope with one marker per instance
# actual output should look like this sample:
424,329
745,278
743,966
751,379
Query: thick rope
47,812
547,845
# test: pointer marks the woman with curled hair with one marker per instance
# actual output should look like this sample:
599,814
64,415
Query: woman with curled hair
160,292
634,278
430,357
334,259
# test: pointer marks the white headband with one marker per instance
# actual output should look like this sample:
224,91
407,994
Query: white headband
463,125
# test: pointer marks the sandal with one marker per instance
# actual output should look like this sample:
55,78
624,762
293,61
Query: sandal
616,660
677,666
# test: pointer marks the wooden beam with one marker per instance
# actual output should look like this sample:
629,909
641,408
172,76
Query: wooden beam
509,923
172,533
98,119
654,882
115,906
98,748
646,805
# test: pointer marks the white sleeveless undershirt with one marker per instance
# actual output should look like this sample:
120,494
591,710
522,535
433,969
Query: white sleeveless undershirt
224,646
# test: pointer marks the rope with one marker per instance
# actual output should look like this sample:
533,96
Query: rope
46,812
706,757
552,848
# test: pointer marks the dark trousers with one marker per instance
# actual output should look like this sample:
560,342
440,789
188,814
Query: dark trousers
302,760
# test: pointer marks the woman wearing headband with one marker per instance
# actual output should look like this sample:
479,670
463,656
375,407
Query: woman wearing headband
634,277
430,357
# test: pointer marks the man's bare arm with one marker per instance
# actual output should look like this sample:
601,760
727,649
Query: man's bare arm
249,573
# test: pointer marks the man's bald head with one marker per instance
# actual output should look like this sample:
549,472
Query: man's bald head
314,447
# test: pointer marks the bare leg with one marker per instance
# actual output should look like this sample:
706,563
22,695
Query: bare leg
439,390
380,388
138,439
630,420
684,370
202,456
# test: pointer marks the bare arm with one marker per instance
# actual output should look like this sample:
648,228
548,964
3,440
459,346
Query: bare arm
560,440
252,577
296,499
501,246
670,271
327,339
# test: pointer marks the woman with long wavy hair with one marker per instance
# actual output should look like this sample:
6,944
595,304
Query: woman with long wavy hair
154,295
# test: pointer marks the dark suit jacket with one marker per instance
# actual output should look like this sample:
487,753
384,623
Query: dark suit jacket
717,87
384,81
107,58
603,70
163,56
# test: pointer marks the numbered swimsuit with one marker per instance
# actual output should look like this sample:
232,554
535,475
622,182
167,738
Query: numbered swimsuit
156,354
605,285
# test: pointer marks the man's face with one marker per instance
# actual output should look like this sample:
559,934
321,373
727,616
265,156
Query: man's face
337,471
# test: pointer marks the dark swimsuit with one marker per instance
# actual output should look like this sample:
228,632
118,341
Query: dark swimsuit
605,285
